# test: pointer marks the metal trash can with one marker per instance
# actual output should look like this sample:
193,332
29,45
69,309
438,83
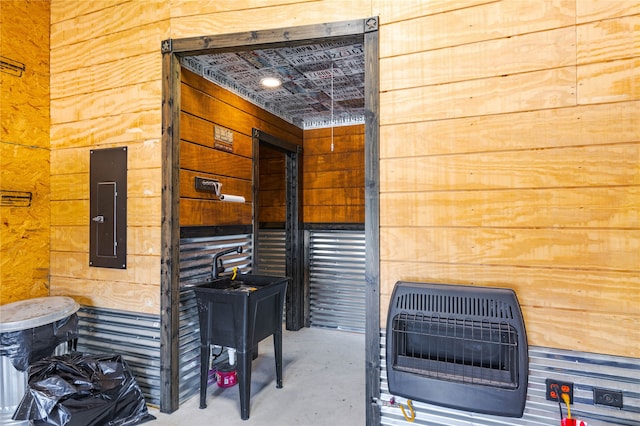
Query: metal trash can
30,330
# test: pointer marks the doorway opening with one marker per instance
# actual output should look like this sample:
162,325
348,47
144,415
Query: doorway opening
173,51
276,172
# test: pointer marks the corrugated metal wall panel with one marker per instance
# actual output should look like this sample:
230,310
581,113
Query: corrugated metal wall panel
336,265
585,370
335,261
135,336
271,252
196,257
272,256
189,346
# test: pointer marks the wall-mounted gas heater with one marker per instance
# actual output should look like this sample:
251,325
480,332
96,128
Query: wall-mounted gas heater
462,347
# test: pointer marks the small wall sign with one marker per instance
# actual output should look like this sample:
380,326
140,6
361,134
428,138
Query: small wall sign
223,139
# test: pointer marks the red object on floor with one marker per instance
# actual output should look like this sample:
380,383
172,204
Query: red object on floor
572,422
226,376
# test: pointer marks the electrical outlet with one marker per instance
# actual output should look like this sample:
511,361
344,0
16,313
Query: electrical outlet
608,397
554,386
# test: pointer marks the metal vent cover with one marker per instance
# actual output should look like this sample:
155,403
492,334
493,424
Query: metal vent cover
457,305
457,346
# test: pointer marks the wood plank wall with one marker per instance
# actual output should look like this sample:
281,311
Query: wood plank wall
510,152
333,180
24,151
205,105
272,187
106,92
193,19
509,145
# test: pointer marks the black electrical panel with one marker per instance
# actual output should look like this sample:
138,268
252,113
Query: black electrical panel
108,216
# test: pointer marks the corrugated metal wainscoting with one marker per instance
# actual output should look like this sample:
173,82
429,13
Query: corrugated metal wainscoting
585,370
135,336
196,256
189,346
336,273
271,258
271,252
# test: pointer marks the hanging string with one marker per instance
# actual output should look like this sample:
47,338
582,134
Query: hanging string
331,106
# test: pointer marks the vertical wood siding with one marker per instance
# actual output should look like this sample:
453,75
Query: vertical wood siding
510,157
24,151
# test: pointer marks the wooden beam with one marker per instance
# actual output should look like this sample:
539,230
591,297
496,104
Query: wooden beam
170,243
372,220
253,39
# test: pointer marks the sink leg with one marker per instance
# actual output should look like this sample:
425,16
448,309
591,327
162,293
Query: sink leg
277,349
205,352
244,382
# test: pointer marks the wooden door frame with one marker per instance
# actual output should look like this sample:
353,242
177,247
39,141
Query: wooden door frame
172,50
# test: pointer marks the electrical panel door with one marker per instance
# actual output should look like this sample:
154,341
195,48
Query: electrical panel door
108,216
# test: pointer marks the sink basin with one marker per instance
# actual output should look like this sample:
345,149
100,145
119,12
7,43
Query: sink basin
242,282
238,314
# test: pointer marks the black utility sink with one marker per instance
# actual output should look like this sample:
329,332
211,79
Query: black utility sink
238,314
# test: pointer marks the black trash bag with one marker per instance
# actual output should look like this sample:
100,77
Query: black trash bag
23,347
82,390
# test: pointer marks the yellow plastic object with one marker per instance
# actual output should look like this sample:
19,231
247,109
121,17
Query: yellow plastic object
235,273
411,410
566,400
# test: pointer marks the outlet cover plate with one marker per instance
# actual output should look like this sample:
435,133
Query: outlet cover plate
612,398
565,387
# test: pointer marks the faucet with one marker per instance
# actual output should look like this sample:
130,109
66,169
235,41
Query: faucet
217,266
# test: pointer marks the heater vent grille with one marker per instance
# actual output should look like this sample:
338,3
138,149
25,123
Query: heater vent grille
458,346
466,351
457,305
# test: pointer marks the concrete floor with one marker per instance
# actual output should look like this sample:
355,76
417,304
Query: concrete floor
323,384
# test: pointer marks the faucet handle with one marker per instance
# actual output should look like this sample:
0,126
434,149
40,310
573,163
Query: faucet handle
219,266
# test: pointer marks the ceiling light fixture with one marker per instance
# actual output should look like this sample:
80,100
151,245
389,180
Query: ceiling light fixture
270,82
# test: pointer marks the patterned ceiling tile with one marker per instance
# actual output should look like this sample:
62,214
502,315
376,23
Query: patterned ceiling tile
322,83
